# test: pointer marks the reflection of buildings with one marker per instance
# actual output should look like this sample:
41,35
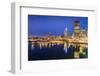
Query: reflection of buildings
78,38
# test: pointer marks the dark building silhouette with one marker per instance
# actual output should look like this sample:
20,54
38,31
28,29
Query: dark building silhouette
76,28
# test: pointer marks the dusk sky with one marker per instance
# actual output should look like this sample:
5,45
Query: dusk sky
39,25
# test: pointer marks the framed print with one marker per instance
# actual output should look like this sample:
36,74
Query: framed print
46,43
52,38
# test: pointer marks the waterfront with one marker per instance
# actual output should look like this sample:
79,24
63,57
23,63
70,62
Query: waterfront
57,37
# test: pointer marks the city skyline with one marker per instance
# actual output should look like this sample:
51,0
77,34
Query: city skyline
39,25
49,37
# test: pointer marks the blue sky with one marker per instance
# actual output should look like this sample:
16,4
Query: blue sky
39,25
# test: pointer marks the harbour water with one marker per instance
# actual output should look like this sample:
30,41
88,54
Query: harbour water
53,52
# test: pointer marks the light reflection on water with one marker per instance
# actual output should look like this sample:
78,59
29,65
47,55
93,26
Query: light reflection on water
49,45
53,51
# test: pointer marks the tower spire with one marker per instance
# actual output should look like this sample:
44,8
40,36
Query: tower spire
65,32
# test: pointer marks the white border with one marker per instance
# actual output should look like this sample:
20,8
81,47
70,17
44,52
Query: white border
19,38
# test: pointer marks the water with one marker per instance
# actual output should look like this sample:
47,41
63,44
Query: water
50,53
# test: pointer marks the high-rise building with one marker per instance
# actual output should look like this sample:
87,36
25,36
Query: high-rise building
76,29
83,33
65,32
